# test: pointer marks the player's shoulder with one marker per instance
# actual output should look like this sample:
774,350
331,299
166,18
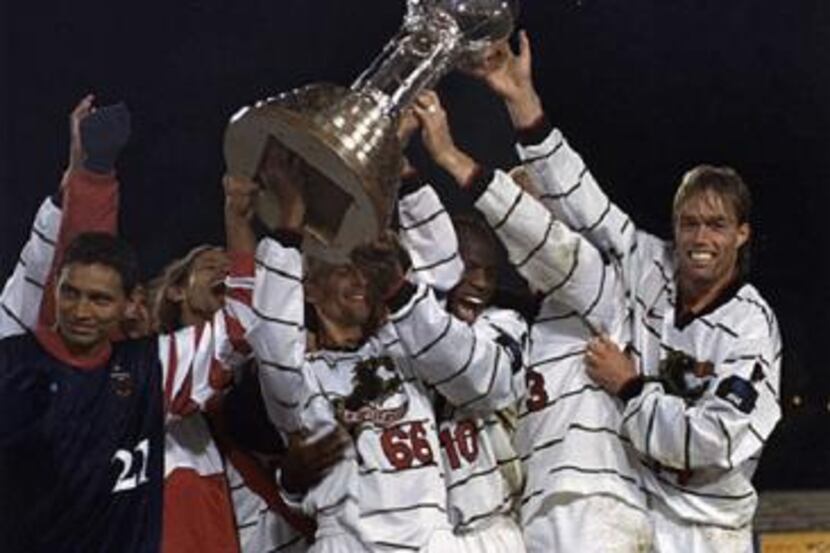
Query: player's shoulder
745,314
749,308
503,320
135,345
19,344
136,350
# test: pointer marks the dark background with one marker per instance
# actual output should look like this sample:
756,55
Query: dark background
644,90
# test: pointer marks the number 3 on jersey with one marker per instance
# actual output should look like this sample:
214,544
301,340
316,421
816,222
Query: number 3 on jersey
537,396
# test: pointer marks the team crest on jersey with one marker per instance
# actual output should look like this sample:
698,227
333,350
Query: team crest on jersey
122,382
684,376
377,397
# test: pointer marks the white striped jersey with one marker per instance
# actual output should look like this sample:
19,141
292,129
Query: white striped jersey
423,221
260,528
568,433
21,296
481,466
391,493
699,455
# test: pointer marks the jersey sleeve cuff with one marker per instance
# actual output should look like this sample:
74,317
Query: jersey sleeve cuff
479,182
242,263
535,133
289,238
410,183
401,295
631,389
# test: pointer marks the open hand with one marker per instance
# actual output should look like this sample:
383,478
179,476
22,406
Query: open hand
510,76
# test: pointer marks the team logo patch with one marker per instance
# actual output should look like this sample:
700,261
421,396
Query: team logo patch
684,376
739,392
377,397
121,382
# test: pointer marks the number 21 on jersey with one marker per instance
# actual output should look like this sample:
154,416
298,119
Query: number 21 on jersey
133,467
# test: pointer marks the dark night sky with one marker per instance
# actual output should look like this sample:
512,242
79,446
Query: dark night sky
644,89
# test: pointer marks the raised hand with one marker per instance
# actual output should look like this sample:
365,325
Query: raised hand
510,76
283,173
76,148
240,194
438,141
103,133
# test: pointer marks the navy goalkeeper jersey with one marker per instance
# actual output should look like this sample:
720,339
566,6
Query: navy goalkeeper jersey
81,451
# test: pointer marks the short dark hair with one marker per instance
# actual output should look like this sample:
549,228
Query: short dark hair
100,248
470,227
727,184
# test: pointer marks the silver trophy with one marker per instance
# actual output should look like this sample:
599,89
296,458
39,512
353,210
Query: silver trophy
343,140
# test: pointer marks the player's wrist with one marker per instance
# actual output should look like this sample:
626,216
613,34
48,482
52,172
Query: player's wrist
631,388
524,108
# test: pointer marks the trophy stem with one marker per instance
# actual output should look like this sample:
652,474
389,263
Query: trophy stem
415,59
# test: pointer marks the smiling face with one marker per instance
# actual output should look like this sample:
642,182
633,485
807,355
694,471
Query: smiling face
478,283
90,304
708,237
340,295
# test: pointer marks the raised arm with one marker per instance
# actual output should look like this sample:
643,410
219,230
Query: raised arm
425,230
85,201
568,188
428,235
22,294
472,366
89,190
557,262
197,361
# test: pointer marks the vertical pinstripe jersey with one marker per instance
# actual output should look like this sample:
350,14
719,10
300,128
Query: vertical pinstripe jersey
699,454
83,462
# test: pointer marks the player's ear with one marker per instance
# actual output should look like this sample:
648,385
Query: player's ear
744,232
312,291
174,294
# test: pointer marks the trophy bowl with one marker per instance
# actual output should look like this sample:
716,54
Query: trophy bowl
344,140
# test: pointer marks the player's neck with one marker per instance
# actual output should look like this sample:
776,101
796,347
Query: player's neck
695,297
83,351
190,317
336,336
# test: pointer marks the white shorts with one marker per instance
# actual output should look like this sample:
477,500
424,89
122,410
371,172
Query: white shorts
442,541
503,535
675,536
589,524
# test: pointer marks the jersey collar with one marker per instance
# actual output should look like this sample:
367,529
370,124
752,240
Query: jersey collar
53,343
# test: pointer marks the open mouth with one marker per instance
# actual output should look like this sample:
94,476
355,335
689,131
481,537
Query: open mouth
218,288
468,307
